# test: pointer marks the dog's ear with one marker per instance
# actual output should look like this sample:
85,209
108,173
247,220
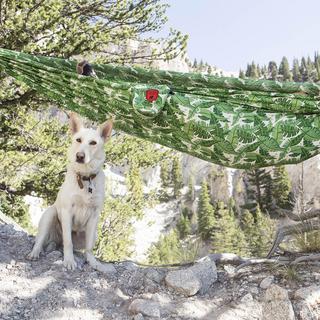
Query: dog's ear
105,130
75,123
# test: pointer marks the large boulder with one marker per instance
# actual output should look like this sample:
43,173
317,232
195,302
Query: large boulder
192,280
276,304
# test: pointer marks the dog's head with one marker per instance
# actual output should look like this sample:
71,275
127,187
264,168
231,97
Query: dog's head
86,151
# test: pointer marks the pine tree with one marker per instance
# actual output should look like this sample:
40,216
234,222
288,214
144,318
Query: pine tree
296,75
241,74
258,232
258,189
264,72
248,71
191,193
253,71
165,174
304,70
258,72
166,250
284,70
177,176
227,235
317,65
281,186
195,64
206,217
184,226
201,65
272,70
265,227
135,190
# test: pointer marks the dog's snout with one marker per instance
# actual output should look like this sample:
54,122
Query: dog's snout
80,157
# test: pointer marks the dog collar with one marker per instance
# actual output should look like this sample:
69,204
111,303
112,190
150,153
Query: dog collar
81,178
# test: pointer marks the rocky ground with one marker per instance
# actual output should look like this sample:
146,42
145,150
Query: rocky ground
45,290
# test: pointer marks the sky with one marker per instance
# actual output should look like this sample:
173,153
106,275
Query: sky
231,33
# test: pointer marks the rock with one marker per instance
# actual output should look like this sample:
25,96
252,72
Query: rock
155,275
193,308
13,262
276,304
247,309
308,302
54,255
254,290
311,295
162,298
266,282
183,281
206,271
107,268
246,298
145,307
197,278
138,316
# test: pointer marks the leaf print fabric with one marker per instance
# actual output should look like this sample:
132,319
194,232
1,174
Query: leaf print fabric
228,121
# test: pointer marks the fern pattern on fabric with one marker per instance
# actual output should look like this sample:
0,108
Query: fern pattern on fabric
228,121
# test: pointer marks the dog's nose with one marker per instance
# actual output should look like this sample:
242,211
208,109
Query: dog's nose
80,157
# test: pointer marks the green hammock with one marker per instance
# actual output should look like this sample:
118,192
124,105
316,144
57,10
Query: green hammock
228,121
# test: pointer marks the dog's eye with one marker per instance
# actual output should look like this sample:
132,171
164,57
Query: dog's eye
92,143
78,140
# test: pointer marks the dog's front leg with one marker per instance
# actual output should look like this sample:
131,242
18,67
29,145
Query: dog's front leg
66,224
91,232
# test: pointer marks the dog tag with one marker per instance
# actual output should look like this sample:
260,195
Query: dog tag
89,188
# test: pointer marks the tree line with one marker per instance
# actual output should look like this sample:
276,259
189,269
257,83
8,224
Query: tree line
301,70
218,225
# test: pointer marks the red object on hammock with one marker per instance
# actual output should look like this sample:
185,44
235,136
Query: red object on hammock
152,95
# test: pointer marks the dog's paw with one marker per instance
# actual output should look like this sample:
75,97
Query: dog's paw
69,263
33,255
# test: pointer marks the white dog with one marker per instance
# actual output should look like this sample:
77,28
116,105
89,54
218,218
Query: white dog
75,213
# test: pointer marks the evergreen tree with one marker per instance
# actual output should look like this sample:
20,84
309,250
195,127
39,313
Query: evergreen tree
191,193
264,72
258,189
201,65
248,71
272,70
206,217
258,72
258,232
281,186
177,176
195,64
209,69
166,250
165,174
304,71
253,71
184,226
135,190
114,236
227,235
284,70
296,75
317,66
241,74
